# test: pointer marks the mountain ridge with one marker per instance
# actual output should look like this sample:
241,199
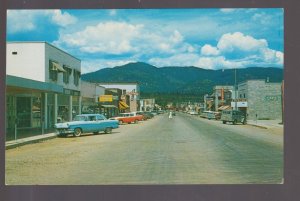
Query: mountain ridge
179,81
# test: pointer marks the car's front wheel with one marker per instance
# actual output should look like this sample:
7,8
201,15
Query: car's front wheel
136,121
108,130
77,132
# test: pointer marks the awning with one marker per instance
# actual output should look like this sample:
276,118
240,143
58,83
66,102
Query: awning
58,67
224,107
123,105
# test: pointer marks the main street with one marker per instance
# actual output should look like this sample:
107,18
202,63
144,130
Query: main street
183,150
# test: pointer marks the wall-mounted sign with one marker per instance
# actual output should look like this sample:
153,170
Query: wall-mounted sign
105,98
272,98
239,104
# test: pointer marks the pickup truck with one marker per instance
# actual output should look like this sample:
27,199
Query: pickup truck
131,117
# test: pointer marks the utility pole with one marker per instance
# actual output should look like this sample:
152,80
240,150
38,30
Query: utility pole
235,89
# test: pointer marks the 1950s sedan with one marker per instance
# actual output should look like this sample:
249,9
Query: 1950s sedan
86,123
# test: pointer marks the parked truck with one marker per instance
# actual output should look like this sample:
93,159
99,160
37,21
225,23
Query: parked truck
234,116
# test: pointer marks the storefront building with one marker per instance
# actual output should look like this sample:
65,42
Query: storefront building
130,94
42,88
262,100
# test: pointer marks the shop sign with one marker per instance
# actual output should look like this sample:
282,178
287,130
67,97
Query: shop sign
239,104
105,98
272,98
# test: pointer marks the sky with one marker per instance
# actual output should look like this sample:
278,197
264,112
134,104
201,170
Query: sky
204,38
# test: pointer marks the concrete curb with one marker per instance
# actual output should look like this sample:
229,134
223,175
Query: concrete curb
263,127
21,142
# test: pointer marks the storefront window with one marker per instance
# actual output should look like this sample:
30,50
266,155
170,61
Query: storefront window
23,112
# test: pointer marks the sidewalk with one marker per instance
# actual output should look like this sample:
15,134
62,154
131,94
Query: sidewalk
265,123
34,139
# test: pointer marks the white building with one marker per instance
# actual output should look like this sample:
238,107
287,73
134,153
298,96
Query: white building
90,93
43,85
147,104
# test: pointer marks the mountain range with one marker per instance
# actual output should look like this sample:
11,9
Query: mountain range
180,83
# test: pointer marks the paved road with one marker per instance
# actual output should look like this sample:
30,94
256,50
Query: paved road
182,150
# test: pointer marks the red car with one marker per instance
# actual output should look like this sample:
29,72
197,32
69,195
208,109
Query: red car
130,117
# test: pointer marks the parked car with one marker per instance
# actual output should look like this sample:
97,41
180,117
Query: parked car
146,115
86,123
131,117
211,115
234,116
193,112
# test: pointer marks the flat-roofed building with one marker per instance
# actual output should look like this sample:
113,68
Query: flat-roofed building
43,86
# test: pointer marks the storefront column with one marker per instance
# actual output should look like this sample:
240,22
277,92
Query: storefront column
80,106
45,119
70,108
55,108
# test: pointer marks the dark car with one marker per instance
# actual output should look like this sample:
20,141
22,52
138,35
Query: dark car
146,115
234,116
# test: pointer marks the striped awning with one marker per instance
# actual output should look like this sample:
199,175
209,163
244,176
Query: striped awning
123,105
225,107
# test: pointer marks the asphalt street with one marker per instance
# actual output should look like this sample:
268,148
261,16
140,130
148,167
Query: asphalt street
183,150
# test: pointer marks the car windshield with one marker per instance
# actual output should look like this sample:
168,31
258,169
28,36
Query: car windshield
80,118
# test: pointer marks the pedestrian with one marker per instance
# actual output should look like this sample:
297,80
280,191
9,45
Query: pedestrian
170,115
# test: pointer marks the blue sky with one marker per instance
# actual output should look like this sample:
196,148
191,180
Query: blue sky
205,38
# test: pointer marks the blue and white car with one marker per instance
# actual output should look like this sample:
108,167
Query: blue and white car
86,123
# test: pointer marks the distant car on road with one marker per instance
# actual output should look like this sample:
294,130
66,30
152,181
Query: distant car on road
130,117
86,123
234,116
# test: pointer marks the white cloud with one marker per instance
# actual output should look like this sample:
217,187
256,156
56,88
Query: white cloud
232,51
120,37
113,12
62,19
219,62
26,20
20,21
185,59
227,10
238,41
176,37
108,37
208,50
262,18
